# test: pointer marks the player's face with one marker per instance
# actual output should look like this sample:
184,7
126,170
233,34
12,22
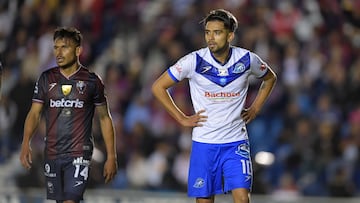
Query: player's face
66,52
217,37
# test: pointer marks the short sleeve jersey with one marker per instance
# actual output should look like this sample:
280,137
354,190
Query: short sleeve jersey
219,89
69,106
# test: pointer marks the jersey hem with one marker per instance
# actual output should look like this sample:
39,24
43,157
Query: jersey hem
218,141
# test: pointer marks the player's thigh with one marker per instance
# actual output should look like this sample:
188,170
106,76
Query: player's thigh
76,176
53,182
204,172
237,167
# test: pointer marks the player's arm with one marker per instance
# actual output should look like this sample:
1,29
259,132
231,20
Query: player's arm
267,85
108,133
160,91
31,123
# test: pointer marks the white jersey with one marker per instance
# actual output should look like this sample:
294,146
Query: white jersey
219,89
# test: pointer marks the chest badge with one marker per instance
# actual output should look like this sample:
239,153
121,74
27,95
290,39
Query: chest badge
80,86
66,89
239,68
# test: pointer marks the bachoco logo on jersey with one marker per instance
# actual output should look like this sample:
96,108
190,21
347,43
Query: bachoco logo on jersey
66,103
222,94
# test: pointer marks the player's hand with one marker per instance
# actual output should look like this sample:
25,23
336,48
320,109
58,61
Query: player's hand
110,170
195,120
26,156
248,114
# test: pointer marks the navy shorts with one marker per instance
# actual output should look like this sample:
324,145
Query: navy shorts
219,168
66,178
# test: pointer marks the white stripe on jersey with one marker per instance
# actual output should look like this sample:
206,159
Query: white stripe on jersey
220,89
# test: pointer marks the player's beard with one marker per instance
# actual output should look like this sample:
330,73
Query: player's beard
220,50
69,64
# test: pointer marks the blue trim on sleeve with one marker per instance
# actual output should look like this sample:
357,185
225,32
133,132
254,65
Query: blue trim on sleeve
172,76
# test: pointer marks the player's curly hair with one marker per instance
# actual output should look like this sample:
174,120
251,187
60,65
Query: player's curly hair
223,15
68,32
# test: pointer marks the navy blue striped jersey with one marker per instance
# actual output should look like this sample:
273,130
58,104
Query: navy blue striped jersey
68,108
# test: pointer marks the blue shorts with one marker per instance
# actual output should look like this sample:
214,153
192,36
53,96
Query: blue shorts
219,168
66,178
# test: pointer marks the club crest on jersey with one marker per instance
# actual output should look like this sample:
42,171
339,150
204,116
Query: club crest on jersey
66,89
239,68
80,86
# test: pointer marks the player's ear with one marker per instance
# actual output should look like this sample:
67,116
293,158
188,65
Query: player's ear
78,50
231,36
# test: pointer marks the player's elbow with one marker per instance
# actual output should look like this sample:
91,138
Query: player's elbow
156,88
271,77
274,78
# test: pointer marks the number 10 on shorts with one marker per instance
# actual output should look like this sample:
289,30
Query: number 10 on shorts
246,167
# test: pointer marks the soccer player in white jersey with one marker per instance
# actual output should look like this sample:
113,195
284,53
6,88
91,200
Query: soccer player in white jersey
218,78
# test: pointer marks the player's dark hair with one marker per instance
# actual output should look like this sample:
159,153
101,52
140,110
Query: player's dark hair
70,33
223,15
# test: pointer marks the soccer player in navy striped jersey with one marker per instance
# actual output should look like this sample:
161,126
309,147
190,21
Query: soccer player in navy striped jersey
218,77
68,95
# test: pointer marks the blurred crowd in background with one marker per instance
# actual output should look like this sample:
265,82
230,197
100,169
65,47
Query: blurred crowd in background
311,123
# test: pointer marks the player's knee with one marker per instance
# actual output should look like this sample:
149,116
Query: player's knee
241,196
242,199
205,200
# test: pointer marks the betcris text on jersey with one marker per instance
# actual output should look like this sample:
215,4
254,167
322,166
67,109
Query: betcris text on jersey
66,103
